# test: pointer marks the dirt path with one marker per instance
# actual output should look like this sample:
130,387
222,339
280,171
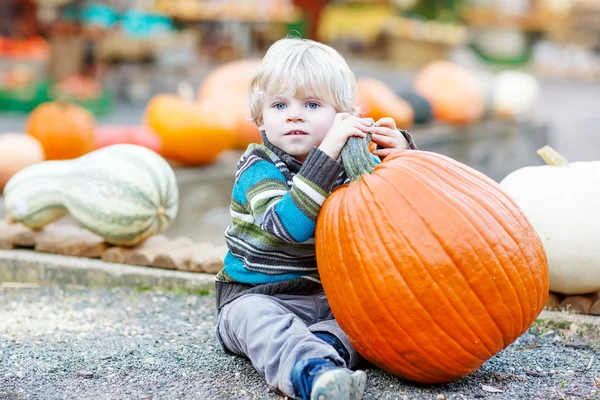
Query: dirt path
127,344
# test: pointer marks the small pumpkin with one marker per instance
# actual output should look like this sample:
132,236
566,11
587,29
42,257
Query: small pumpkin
376,100
455,94
428,265
421,107
17,151
191,134
515,95
65,130
561,201
225,89
107,135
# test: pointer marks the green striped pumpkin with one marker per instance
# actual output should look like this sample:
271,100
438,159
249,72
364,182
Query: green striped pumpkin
123,193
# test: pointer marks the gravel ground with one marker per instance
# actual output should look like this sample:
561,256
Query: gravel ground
129,344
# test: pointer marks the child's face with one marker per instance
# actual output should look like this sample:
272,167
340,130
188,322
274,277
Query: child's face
296,125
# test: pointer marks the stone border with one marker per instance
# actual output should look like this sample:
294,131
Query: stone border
567,317
26,266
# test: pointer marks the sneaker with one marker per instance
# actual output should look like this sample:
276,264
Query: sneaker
339,384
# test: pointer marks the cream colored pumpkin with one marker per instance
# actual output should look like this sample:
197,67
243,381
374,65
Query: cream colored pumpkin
515,95
562,201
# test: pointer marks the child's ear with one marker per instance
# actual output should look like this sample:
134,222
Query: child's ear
261,127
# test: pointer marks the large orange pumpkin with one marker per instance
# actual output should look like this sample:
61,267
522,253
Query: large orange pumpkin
429,266
455,94
66,131
376,100
226,89
17,151
190,134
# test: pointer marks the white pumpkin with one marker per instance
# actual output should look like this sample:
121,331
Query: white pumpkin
562,201
515,95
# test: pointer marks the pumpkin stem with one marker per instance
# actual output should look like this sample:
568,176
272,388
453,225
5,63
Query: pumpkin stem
552,157
356,157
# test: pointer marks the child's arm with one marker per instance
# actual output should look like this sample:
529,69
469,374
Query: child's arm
288,214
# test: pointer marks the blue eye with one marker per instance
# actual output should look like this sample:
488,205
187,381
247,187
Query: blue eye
312,105
279,106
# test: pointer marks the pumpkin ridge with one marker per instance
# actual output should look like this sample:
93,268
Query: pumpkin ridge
124,238
451,304
417,175
96,214
31,181
171,193
439,361
368,279
477,295
108,180
513,274
506,326
430,319
351,313
497,198
537,280
144,166
510,207
327,220
58,208
467,209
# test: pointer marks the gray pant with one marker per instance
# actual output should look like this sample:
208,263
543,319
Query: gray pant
275,332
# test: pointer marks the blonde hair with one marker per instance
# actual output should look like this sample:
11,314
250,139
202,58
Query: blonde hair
305,68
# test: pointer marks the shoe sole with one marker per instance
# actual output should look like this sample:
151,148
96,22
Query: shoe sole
339,384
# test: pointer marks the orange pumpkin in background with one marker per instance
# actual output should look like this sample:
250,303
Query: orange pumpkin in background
65,130
191,134
455,94
377,100
17,151
225,89
429,266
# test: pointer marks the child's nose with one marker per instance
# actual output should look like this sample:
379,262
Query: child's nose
295,114
295,118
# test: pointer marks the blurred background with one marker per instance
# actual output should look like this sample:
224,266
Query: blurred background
487,82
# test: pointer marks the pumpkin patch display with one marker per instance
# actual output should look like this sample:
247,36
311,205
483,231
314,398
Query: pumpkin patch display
454,93
123,193
561,201
17,151
65,130
376,100
428,265
225,90
191,134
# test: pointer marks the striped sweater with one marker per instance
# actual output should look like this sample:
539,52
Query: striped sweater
275,203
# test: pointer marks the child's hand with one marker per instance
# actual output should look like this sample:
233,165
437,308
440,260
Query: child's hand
385,134
344,126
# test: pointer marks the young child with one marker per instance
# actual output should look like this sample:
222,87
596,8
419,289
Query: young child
271,305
